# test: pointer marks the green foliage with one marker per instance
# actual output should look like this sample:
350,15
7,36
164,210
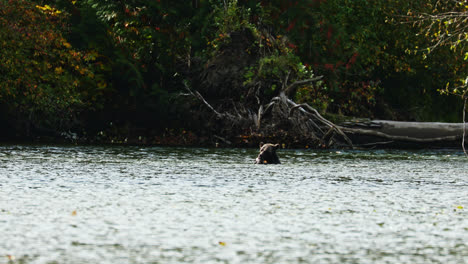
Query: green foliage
126,59
366,54
316,95
144,42
43,78
273,64
443,25
230,17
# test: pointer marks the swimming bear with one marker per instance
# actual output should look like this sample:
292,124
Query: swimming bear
267,154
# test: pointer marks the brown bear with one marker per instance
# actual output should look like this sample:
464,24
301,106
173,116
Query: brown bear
267,154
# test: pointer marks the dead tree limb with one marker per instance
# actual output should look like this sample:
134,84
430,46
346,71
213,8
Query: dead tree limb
292,87
197,95
263,110
312,111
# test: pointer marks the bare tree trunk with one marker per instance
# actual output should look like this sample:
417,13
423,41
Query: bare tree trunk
385,132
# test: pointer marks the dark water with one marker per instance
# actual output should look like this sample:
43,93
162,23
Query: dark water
61,204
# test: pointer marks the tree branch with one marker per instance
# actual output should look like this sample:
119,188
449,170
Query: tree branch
292,87
197,95
315,113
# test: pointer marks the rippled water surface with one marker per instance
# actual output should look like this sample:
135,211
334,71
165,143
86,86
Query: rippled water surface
94,204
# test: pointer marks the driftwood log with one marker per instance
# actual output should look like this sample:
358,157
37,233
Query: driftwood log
404,134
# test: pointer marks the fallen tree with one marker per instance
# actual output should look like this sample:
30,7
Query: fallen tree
406,134
245,92
306,125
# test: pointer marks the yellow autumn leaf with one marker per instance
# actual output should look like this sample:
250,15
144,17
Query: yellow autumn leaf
102,85
58,70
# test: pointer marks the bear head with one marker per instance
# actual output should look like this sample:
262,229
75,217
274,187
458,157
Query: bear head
267,154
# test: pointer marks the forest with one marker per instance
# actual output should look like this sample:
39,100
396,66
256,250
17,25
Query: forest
206,72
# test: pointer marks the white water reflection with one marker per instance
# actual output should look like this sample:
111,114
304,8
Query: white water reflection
68,204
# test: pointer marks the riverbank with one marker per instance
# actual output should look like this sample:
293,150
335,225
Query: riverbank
363,134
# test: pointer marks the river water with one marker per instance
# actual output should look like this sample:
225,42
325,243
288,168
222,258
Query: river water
101,204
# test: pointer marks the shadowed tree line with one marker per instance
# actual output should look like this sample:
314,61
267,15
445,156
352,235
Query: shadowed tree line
235,72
